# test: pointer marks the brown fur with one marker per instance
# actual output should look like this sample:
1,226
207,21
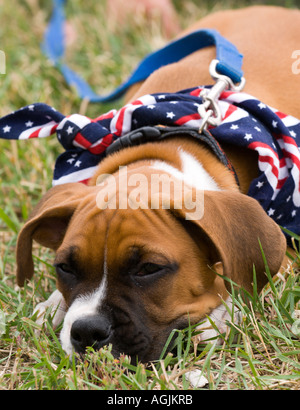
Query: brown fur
225,240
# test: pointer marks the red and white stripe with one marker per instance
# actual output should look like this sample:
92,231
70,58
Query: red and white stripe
288,120
193,120
292,155
274,169
122,122
231,113
39,131
77,176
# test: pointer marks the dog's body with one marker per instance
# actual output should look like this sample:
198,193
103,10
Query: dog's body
130,276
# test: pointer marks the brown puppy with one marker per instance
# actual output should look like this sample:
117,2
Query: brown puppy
130,276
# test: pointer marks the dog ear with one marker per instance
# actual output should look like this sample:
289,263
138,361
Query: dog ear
47,224
235,225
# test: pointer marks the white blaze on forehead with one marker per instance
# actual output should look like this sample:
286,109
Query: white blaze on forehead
192,172
83,305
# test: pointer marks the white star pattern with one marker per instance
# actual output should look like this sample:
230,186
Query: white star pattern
262,105
248,123
259,184
70,130
6,129
170,115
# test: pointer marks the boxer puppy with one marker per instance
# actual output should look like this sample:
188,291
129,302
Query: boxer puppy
133,266
130,276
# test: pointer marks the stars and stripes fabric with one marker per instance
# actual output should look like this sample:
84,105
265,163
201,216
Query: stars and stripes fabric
246,122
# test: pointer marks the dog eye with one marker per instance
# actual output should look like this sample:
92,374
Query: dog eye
149,269
63,268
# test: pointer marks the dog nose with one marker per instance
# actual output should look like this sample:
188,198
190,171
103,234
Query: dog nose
91,331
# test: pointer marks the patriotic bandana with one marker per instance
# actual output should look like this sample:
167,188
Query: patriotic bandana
246,122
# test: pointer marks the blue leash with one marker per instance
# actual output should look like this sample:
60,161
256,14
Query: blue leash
229,59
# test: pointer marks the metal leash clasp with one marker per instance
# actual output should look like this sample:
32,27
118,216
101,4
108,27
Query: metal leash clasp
209,110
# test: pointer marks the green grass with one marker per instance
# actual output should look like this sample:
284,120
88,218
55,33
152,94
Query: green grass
261,353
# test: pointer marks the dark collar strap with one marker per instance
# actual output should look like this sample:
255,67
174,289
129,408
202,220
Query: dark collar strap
157,133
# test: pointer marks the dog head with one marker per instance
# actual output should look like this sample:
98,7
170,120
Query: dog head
130,276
